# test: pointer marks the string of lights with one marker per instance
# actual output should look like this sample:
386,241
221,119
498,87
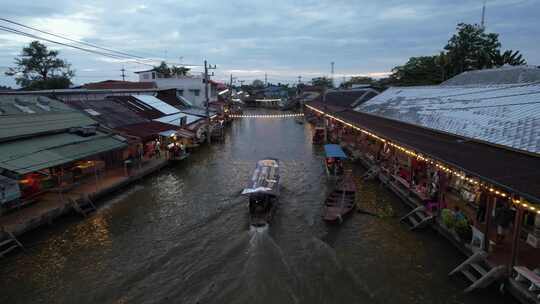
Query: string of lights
438,164
268,115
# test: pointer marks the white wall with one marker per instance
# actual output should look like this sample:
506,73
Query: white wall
192,86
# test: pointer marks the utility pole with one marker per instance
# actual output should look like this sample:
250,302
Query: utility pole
332,72
300,79
231,88
123,73
482,22
265,79
207,98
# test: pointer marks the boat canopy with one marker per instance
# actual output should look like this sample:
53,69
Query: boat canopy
334,151
265,179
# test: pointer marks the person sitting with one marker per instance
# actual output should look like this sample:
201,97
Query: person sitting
458,214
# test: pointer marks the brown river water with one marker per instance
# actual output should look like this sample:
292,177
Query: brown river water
182,236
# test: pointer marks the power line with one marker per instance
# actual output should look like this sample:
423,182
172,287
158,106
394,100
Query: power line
124,54
118,57
73,40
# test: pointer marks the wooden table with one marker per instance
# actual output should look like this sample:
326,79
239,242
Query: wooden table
526,275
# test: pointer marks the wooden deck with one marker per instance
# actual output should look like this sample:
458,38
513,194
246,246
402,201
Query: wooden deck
54,204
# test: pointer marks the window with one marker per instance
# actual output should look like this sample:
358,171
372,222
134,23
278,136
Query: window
146,76
196,92
179,92
153,75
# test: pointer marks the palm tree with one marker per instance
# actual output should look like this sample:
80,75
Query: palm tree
179,70
508,57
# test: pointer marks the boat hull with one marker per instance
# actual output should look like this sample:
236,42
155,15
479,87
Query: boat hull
261,219
341,202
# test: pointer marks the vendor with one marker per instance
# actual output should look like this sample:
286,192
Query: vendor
482,207
504,216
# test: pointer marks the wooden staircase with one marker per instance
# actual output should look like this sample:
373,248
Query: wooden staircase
372,173
9,243
478,271
83,206
417,218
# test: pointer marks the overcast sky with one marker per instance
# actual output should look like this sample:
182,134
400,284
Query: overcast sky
283,38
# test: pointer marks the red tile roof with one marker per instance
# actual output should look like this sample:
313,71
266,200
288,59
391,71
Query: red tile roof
119,85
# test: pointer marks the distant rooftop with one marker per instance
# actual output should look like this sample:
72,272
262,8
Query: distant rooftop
349,98
504,75
119,85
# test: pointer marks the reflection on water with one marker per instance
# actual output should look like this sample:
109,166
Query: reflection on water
182,236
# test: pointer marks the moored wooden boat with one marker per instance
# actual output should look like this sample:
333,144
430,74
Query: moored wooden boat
341,201
333,161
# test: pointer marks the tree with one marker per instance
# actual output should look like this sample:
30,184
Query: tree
322,82
357,80
163,70
37,68
471,48
166,71
179,70
257,84
424,70
508,57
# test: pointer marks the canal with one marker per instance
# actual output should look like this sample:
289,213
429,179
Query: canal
182,236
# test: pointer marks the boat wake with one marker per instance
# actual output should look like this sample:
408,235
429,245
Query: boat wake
257,229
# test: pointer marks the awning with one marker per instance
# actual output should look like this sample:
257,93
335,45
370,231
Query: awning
334,151
174,119
29,155
180,133
146,130
168,133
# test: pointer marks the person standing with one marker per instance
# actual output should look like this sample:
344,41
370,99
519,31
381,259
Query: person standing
503,218
157,149
482,207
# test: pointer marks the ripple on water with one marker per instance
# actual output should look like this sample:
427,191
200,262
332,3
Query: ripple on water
182,236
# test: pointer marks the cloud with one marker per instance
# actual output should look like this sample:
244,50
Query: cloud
399,12
283,38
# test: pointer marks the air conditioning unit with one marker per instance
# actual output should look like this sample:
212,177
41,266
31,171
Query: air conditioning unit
84,131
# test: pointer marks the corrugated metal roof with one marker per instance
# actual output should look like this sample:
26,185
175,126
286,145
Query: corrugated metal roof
174,119
109,113
198,112
146,130
27,115
349,98
157,104
507,115
137,106
511,170
29,155
504,75
172,97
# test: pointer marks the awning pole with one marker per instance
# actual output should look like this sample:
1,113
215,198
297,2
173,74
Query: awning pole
518,221
96,176
491,203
